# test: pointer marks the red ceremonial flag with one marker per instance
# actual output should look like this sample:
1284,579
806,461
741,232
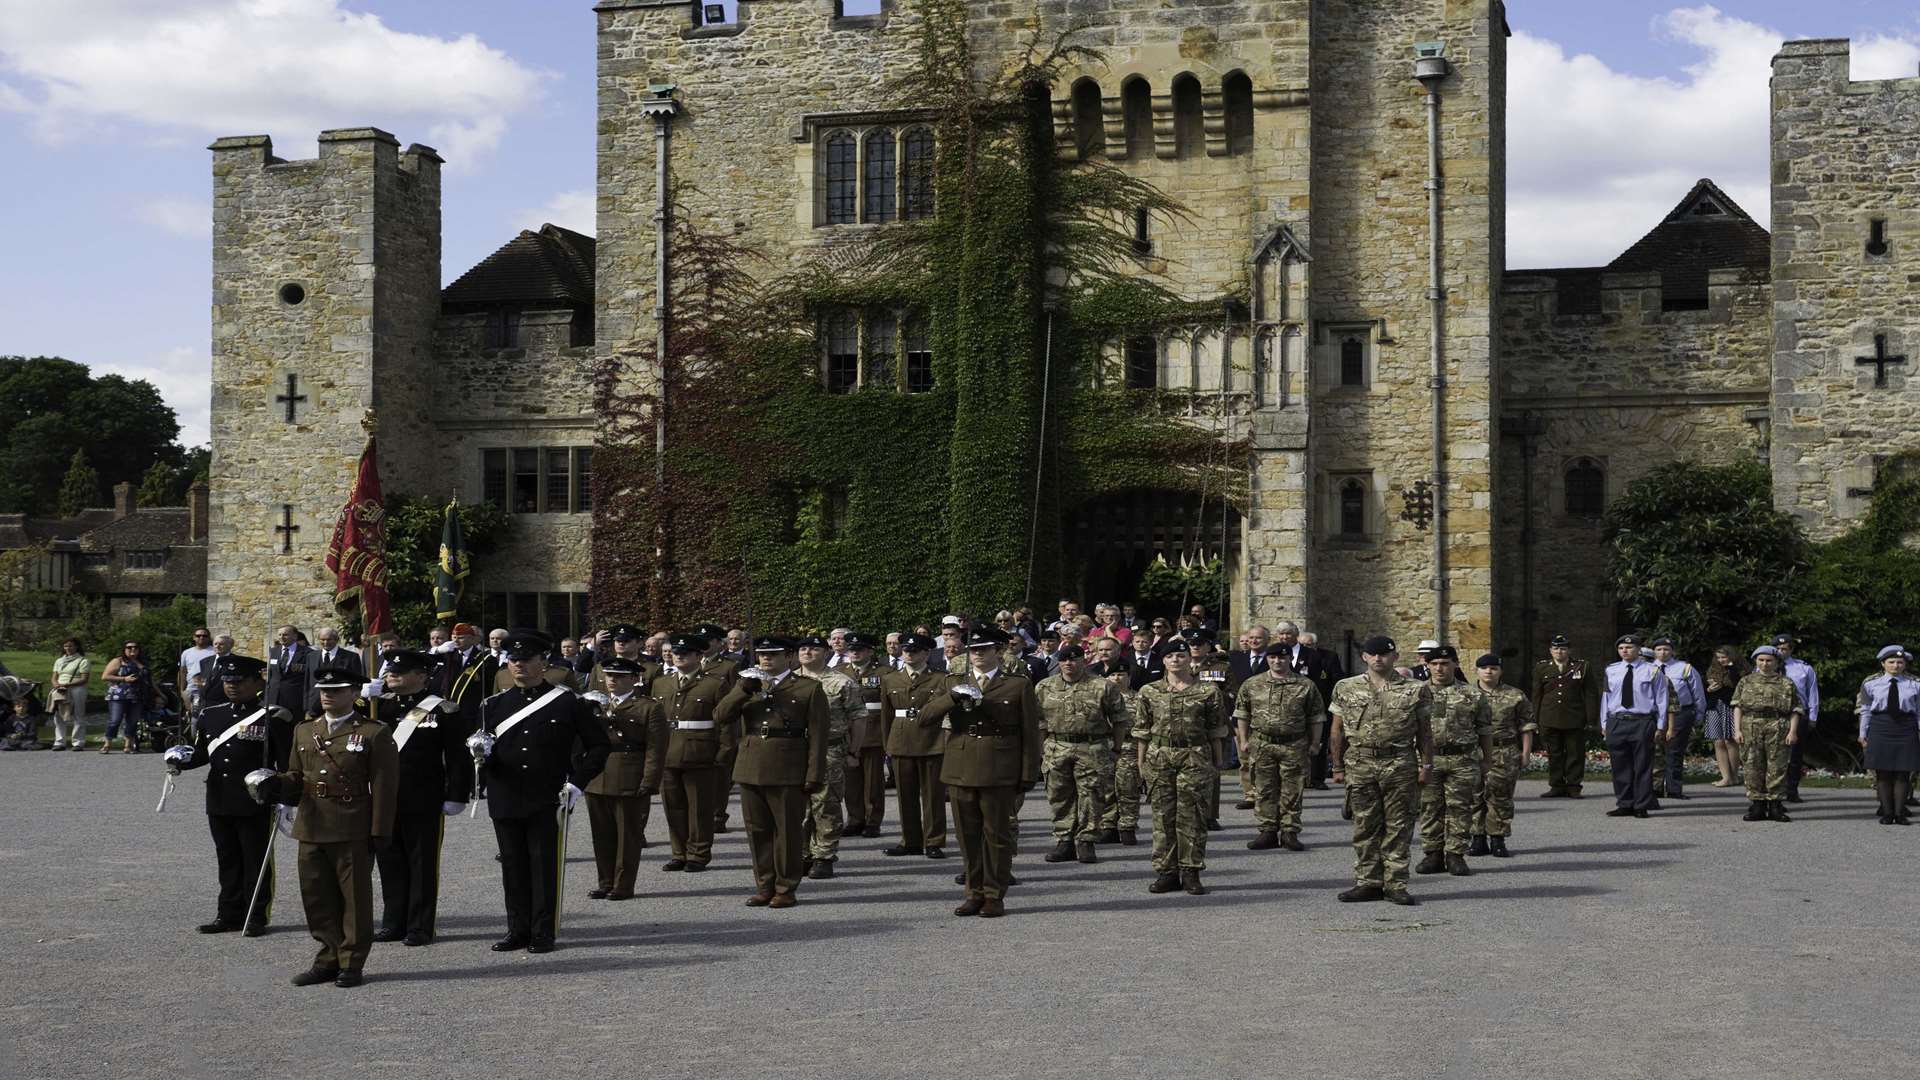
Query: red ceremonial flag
357,555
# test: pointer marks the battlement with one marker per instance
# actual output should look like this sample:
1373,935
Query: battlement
1826,65
335,143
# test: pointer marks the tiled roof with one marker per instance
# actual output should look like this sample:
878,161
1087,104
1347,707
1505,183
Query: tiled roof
553,266
1706,231
99,532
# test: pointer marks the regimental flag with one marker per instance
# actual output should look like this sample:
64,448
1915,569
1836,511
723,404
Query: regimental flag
451,579
357,555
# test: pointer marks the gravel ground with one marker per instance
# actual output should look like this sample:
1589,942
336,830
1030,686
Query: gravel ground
1688,945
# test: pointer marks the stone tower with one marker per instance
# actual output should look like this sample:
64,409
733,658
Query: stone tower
1846,252
326,288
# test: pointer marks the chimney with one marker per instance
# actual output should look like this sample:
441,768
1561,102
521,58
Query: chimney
197,512
122,500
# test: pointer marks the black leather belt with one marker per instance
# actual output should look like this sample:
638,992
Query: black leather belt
1067,736
990,731
1456,748
1179,744
782,733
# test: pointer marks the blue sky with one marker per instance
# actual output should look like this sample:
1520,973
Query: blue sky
106,107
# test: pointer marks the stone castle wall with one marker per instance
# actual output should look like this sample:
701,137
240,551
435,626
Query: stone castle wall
1843,157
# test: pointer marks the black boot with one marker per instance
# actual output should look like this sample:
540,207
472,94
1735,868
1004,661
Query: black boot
1756,811
1479,845
1457,866
1083,852
1497,847
1164,883
1190,881
1062,852
1107,836
1129,838
1433,863
1264,842
1779,811
1291,841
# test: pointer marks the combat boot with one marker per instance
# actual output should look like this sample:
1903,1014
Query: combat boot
1129,838
1165,883
1291,841
1362,894
1264,842
1433,863
1083,852
1457,866
1497,847
1479,845
1062,852
1190,881
821,871
1756,811
1213,824
1107,836
1779,811
1243,804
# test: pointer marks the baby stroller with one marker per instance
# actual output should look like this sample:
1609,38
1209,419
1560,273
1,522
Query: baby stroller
166,722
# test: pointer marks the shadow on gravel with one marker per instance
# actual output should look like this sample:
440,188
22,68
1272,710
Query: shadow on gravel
520,965
773,930
1577,865
1518,892
1595,849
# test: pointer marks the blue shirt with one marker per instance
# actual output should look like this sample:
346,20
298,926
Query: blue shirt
1800,674
1688,687
1651,693
1874,696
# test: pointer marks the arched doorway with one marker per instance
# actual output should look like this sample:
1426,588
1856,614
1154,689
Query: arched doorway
1115,538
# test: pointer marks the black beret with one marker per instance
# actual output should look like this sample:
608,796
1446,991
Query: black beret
408,661
1196,634
1379,645
1072,652
1443,652
1050,632
1627,639
234,667
1487,660
1277,649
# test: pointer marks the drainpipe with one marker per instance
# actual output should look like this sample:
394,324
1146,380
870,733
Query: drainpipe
660,104
1430,67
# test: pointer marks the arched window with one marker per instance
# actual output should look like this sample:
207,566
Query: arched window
1236,97
916,177
880,175
843,352
1189,124
1136,109
1353,508
1586,488
1143,363
843,178
1089,134
1353,360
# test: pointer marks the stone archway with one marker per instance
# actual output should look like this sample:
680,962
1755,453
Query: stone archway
1113,539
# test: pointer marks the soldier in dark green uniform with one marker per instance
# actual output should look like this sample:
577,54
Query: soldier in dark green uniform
866,775
782,759
1382,736
617,799
1566,704
690,777
436,780
916,746
715,662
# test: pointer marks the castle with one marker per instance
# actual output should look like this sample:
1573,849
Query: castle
1344,161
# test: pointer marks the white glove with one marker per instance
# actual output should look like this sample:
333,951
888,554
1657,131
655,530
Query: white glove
480,745
599,699
283,819
445,647
753,673
969,691
175,757
569,795
373,689
253,781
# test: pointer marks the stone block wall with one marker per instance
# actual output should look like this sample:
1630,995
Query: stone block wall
1843,158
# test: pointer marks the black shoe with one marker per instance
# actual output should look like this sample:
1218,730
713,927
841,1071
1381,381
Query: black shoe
1243,804
539,947
960,879
1497,847
509,944
1083,852
1107,836
1062,852
592,894
1756,811
1794,797
1778,813
720,827
1403,898
1681,795
1012,881
349,977
1266,841
1433,863
1321,786
1291,841
1190,881
1620,811
853,828
218,926
258,929
1213,824
1640,814
674,864
314,976
1655,805
1457,866
1129,838
1479,846
1575,795
1553,793
936,853
1886,819
902,849
806,866
870,832
1362,894
1164,883
822,870
416,939
391,934
696,867
616,896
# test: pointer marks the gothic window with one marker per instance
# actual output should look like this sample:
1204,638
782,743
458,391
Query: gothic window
1586,485
1352,509
843,352
880,177
1236,97
916,177
1143,363
882,340
843,178
919,356
1142,238
1353,361
1189,124
1136,106
1089,133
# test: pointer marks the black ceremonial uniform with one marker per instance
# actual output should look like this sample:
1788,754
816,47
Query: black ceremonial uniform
241,827
435,768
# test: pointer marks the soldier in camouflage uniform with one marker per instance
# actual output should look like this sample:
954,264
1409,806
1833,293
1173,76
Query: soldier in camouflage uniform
1767,714
1462,744
1122,818
1214,668
1278,715
1082,717
1180,728
1383,738
1513,731
826,820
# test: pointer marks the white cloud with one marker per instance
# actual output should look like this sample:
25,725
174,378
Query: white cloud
180,217
287,68
1597,156
567,209
184,376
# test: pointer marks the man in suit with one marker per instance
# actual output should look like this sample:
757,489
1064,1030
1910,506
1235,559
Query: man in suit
618,798
206,678
329,653
916,747
436,780
696,743
290,671
782,759
1144,661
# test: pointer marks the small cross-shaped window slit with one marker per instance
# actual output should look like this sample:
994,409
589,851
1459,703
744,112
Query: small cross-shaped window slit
286,528
292,397
1879,360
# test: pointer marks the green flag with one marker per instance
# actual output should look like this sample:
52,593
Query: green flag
450,579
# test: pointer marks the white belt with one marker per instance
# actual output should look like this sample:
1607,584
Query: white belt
873,706
693,725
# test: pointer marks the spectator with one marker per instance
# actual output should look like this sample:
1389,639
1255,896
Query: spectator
72,671
22,721
894,659
654,649
332,654
437,637
1129,618
736,645
570,653
189,666
1198,613
207,680
1111,625
1722,676
126,678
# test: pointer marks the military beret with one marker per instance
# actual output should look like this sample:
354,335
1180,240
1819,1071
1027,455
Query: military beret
336,678
1196,634
687,641
1560,641
626,632
811,641
772,643
1442,652
1893,650
857,640
1627,639
712,632
233,667
1072,652
409,661
1277,649
1487,660
526,644
915,643
1765,650
1050,633
1379,645
985,636
1659,641
620,665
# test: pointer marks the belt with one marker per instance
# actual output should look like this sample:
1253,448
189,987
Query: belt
1395,749
691,725
1178,743
320,789
1456,748
873,706
626,749
988,731
1067,736
782,733
1294,738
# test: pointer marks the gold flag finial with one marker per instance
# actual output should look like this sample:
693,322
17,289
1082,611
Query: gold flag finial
368,423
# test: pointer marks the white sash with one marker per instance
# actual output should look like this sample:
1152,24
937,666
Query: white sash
238,727
532,707
423,708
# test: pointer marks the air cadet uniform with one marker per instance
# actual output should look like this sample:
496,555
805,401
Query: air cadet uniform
541,744
1121,822
1387,741
1633,711
1462,741
1279,718
690,778
1888,705
1767,708
826,818
916,746
436,781
1081,722
343,775
1179,734
1512,716
617,799
1689,705
866,775
992,756
782,759
1566,701
233,739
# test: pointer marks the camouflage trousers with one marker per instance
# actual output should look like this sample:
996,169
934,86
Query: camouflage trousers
1446,803
1382,786
1493,796
1077,791
826,818
1179,783
1123,805
1763,756
1279,777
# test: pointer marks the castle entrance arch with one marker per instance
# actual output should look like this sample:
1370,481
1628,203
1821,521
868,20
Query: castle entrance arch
1115,539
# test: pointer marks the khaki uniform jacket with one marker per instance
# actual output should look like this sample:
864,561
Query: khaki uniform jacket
903,701
636,745
1092,706
688,748
360,768
867,732
1281,708
1460,716
796,706
1387,720
1512,714
1567,700
996,742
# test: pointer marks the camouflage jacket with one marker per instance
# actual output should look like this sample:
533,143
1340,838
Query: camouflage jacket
845,703
1760,697
1512,713
1091,706
1280,707
1191,717
1460,716
1387,719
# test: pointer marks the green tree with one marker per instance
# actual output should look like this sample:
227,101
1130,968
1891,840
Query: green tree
56,407
157,487
413,551
80,488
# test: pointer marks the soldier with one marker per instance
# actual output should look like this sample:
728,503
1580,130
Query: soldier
1121,823
781,761
916,746
866,754
435,782
1462,745
1689,704
1180,730
1214,668
1383,738
1082,718
716,662
992,757
696,746
235,738
1279,718
617,799
629,643
1804,679
1633,712
1767,714
343,774
846,706
1512,738
1887,705
1566,700
533,773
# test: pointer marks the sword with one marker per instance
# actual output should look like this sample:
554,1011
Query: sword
565,822
166,789
266,865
